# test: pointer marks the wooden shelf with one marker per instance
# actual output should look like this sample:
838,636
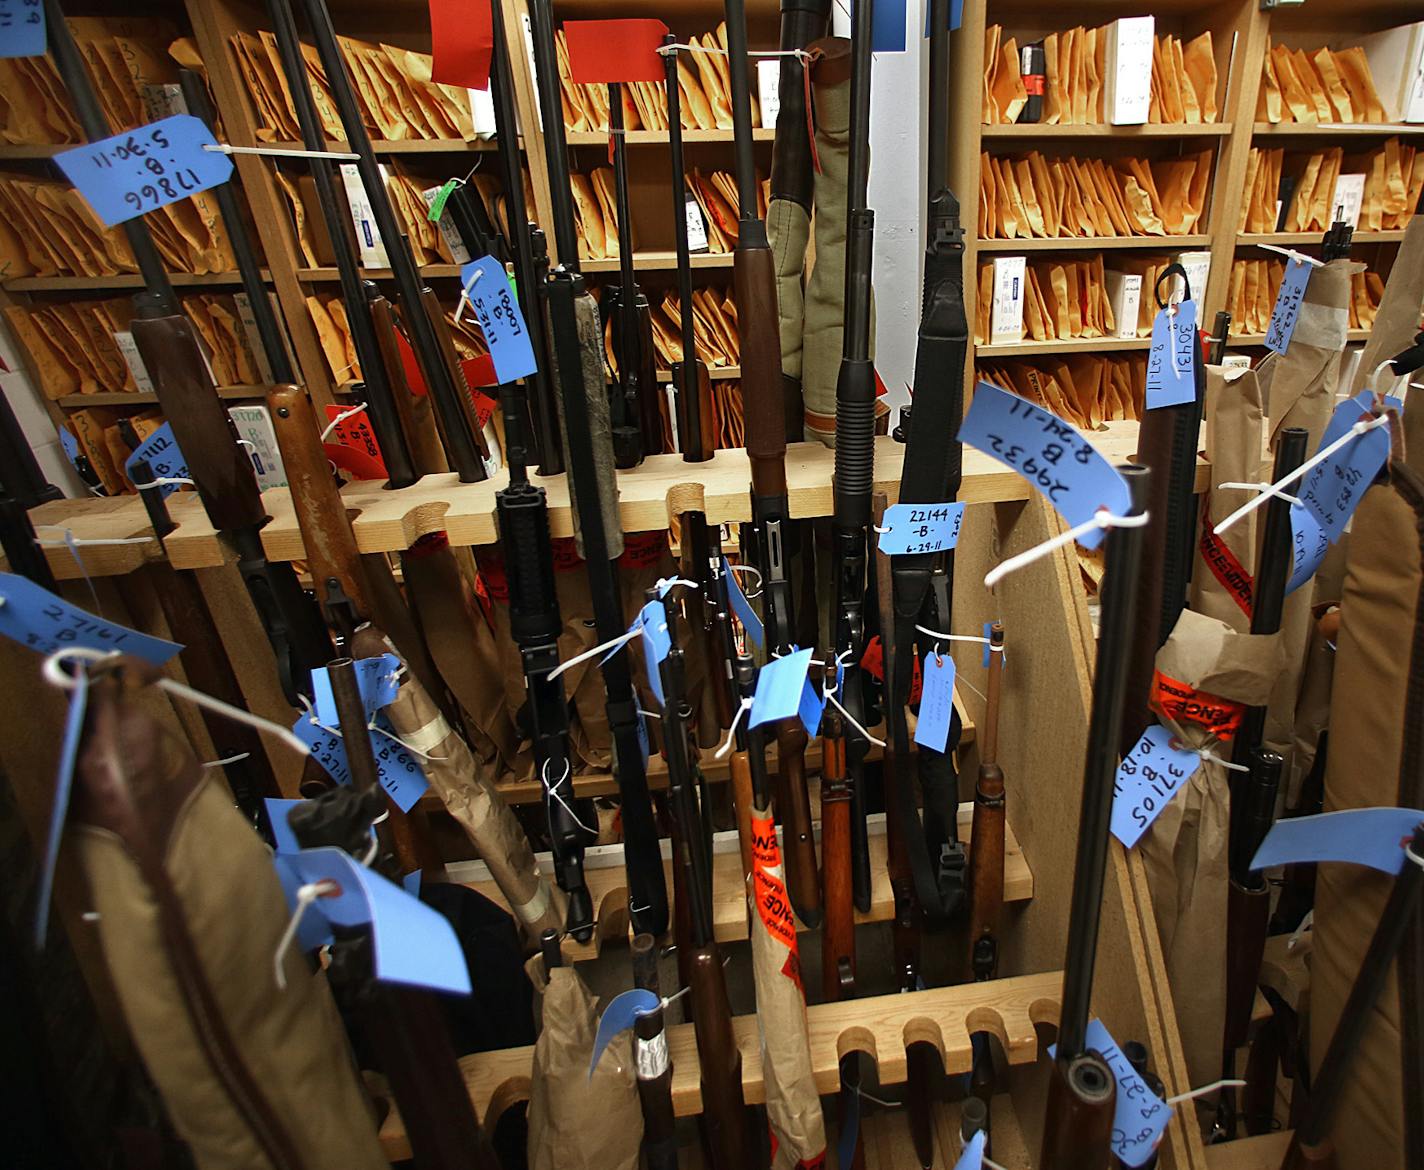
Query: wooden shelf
716,373
1295,239
650,261
332,274
607,880
1246,340
649,495
122,280
1065,345
660,137
1335,129
1094,243
147,398
407,145
1016,130
881,1026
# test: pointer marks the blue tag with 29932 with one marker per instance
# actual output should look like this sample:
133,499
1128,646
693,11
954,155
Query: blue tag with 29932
488,290
140,170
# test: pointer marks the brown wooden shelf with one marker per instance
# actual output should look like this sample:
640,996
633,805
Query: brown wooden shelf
716,373
1017,130
144,397
1295,239
1094,243
1246,340
406,145
122,280
660,137
1063,345
642,260
1335,129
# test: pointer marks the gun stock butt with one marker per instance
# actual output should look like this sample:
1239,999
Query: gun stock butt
1078,1119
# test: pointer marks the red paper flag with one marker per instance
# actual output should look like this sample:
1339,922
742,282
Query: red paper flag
461,40
601,51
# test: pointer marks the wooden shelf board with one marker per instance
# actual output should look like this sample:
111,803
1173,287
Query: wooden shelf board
101,518
143,397
332,274
122,280
1094,243
36,149
881,1026
660,137
1293,239
649,495
716,373
661,260
1335,129
1066,345
1246,340
1251,1153
1017,130
608,884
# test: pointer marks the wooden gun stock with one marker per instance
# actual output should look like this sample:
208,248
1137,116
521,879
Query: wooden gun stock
838,932
754,278
803,881
1078,1120
436,314
725,1128
417,415
696,420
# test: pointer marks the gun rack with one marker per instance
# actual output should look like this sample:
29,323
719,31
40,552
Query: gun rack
880,1026
384,520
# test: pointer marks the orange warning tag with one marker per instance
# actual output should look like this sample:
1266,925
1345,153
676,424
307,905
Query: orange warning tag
773,906
1177,701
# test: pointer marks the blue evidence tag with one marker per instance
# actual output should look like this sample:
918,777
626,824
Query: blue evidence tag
1332,490
1049,453
397,769
920,528
972,1158
35,617
1288,302
497,310
375,678
779,688
956,15
742,608
147,168
1150,775
1140,1116
936,702
1375,837
22,28
621,1014
887,27
1171,361
160,452
656,644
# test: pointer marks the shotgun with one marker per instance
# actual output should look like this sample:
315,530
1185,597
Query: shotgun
1078,1118
986,854
219,467
788,216
578,368
445,381
924,583
726,1132
654,1068
637,418
1220,331
696,432
374,388
754,279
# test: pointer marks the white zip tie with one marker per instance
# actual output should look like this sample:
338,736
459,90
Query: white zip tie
960,680
1306,924
410,747
549,789
279,151
1414,857
1293,254
229,760
165,481
683,46
851,719
310,711
465,291
1104,519
341,418
1225,1083
1259,487
1360,428
742,709
53,667
611,645
71,541
942,637
306,895
663,584
648,714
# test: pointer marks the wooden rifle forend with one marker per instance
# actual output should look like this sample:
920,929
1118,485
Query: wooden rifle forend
838,931
803,880
417,417
440,327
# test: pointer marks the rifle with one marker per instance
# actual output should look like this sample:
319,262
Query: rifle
637,418
725,1129
1220,330
986,854
1167,440
578,367
1078,1120
924,583
754,278
220,469
654,1068
792,189
374,387
463,440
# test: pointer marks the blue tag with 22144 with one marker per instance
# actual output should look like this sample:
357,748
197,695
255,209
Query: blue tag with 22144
1171,362
22,28
920,528
1288,302
1049,453
35,617
160,451
488,290
1150,775
140,170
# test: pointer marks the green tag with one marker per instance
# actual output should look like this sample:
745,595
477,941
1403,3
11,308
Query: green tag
442,196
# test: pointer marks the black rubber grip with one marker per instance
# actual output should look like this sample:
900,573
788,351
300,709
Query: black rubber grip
528,564
855,442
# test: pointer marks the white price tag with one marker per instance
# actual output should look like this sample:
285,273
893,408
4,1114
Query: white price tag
696,228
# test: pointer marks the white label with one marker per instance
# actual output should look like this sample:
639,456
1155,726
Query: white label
769,90
696,228
481,113
162,101
135,363
1125,295
671,392
446,224
254,424
1235,361
650,1056
533,68
1129,68
1006,324
1346,202
1197,266
368,235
